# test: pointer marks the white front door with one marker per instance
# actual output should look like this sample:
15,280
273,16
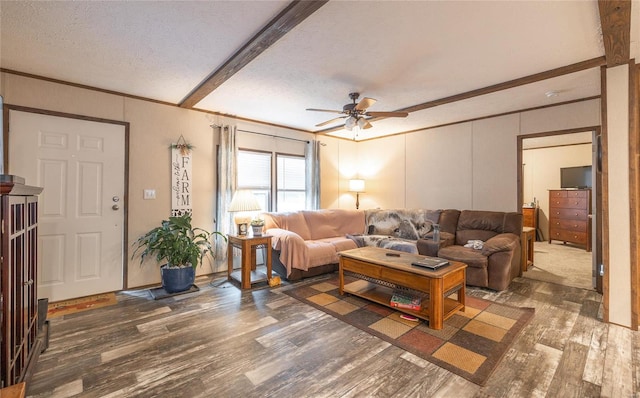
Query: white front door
81,166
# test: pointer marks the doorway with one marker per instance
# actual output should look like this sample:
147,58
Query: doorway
81,164
547,160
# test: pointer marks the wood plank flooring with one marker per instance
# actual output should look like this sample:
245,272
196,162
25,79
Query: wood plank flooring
221,342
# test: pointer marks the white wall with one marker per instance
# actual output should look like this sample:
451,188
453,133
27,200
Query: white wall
619,196
438,177
467,166
153,127
541,172
338,164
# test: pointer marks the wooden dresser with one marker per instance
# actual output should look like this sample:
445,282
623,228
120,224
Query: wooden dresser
569,221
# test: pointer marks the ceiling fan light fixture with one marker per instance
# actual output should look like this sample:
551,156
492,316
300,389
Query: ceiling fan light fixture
350,123
355,114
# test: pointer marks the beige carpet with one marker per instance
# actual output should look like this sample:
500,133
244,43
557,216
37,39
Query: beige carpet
566,265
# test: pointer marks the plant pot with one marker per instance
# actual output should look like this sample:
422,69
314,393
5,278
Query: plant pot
257,230
177,279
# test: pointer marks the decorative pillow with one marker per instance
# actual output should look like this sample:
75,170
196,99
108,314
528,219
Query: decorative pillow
411,224
424,229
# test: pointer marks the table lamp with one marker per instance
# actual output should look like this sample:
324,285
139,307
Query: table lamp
357,186
242,203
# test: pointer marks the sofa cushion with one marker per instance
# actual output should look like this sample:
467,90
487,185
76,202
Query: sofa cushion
471,257
358,239
400,245
333,222
340,243
463,237
389,242
478,225
319,253
291,221
483,225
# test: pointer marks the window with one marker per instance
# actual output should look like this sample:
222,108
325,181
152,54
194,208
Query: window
255,172
290,183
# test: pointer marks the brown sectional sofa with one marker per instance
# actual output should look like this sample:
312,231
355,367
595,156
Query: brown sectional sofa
306,243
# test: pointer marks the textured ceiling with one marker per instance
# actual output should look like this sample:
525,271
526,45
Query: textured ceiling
402,53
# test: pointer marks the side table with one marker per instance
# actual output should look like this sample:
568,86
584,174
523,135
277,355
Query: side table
527,240
248,273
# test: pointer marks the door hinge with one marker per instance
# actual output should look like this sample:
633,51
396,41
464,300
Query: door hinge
601,269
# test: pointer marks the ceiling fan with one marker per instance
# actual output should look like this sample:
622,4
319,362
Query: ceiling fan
356,113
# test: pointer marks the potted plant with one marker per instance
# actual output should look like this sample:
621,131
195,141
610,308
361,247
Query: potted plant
179,248
256,225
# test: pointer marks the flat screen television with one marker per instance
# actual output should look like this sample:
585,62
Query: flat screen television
575,177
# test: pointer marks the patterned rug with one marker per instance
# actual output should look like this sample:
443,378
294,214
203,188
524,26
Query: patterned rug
471,343
72,306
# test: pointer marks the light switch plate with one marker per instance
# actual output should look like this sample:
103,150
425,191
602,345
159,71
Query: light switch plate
149,194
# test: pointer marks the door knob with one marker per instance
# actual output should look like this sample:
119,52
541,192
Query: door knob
115,207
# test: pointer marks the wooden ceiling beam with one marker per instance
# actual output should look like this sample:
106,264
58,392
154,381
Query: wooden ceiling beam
565,70
296,12
615,20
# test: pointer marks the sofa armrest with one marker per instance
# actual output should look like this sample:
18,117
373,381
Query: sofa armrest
427,247
500,243
279,236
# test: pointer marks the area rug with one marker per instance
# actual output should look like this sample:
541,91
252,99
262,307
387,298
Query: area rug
72,306
471,343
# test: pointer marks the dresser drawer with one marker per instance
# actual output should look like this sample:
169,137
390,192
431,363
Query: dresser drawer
568,203
568,236
569,214
578,194
557,194
568,225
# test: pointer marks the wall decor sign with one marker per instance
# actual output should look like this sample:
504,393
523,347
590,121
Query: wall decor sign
181,178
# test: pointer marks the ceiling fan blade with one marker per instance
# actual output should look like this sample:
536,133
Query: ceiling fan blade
330,121
365,103
387,114
323,110
367,125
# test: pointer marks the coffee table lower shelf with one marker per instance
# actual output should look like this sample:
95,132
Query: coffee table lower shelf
382,295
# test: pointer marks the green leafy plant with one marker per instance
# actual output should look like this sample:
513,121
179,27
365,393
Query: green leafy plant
257,222
176,242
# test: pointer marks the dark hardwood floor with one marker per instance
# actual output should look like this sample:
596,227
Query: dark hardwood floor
221,342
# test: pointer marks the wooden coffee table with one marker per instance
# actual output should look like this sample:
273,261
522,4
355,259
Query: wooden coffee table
379,275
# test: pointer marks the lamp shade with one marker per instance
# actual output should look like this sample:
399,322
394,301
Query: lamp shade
350,123
243,200
356,185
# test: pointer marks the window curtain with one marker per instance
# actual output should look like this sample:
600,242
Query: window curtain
312,159
227,186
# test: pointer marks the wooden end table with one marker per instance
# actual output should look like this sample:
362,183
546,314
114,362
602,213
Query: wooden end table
248,273
377,273
527,240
